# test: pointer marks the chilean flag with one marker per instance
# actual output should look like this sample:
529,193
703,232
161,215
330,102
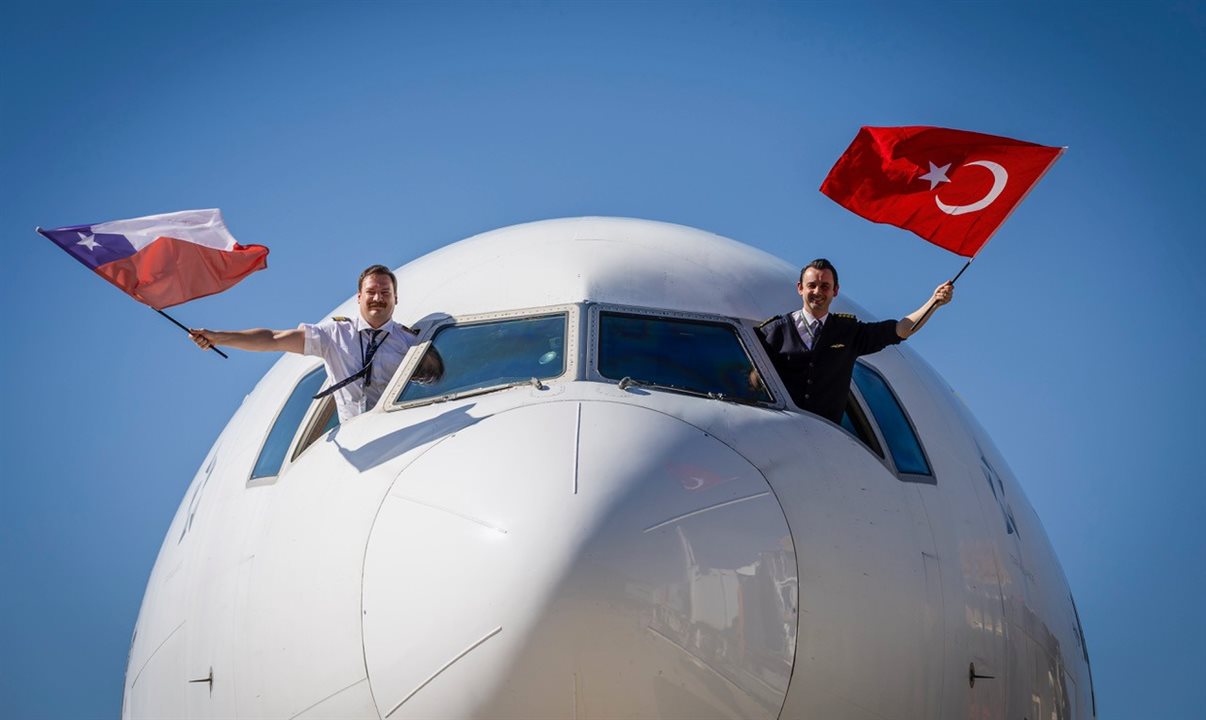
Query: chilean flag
163,260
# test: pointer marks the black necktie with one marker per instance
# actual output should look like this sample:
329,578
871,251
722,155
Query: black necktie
376,338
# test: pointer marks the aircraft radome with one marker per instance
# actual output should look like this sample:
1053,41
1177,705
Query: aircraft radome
595,513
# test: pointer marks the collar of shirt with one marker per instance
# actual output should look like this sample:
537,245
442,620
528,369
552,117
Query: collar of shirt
803,324
361,324
807,317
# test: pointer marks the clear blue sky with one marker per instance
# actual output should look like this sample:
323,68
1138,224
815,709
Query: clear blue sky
341,135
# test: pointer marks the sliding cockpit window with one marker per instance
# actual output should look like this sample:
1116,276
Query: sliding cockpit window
893,423
854,421
691,356
489,355
272,455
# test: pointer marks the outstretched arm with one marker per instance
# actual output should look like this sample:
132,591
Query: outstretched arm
259,339
912,322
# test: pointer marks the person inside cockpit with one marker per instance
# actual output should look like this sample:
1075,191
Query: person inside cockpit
814,351
360,354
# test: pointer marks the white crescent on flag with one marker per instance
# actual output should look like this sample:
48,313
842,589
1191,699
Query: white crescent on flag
1000,177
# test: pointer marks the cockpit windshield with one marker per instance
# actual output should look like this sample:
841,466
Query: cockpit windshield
691,356
491,354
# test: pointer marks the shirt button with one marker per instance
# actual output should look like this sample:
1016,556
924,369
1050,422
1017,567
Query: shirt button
812,364
806,397
809,381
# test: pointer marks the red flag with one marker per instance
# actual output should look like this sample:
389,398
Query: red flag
163,260
951,187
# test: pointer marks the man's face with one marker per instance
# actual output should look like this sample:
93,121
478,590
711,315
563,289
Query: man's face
376,299
818,290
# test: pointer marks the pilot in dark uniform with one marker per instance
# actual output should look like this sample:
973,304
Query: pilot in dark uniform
814,350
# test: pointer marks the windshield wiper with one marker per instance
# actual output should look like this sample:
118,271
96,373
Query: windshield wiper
458,394
734,399
629,381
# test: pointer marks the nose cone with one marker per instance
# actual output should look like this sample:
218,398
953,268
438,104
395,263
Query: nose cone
580,560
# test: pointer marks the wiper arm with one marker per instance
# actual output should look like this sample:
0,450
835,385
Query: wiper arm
458,394
734,399
629,381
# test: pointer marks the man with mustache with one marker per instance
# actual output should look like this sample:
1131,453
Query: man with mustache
360,354
814,350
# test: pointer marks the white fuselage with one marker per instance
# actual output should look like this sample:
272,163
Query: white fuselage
581,547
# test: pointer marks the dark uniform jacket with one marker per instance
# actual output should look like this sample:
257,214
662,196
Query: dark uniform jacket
819,379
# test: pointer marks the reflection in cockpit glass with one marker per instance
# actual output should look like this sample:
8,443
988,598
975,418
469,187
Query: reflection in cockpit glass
689,355
493,354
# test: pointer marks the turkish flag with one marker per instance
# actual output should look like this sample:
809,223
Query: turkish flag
951,187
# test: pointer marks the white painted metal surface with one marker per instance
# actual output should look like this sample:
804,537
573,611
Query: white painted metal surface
580,550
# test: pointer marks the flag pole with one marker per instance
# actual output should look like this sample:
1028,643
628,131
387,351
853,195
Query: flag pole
190,332
965,266
930,309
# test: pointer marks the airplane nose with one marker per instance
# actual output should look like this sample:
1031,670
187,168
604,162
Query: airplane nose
580,559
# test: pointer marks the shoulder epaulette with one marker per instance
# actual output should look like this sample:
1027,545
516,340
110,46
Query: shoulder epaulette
768,321
340,318
412,331
845,315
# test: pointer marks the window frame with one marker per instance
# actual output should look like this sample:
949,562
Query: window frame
743,331
316,418
882,452
410,363
888,459
293,451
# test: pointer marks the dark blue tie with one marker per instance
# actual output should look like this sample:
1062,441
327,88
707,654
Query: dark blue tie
376,338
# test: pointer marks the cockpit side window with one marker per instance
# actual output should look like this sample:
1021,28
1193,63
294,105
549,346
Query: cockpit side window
693,356
854,420
323,420
272,455
893,423
494,354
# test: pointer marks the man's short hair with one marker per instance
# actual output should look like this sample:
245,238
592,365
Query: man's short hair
818,265
377,270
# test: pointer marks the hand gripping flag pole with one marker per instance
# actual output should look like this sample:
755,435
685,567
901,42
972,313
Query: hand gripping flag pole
163,260
953,188
925,315
190,332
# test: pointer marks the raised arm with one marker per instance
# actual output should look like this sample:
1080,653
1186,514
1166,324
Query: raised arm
912,322
258,340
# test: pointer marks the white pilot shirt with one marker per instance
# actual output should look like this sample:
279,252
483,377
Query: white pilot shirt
341,346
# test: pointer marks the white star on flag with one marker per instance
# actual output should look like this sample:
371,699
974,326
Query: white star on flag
88,241
936,175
